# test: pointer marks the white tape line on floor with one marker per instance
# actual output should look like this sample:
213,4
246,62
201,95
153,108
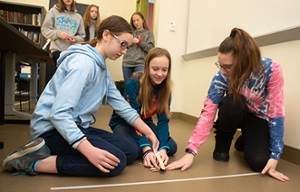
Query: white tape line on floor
152,182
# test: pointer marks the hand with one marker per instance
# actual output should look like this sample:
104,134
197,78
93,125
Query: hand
150,160
151,137
135,40
163,155
271,169
65,36
71,40
101,159
183,163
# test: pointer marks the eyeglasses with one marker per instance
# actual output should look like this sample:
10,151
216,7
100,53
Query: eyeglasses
123,44
225,67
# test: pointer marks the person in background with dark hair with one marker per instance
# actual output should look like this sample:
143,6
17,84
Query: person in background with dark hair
247,92
143,41
91,21
149,93
63,140
63,26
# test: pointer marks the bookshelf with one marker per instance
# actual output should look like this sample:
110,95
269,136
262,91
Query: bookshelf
26,18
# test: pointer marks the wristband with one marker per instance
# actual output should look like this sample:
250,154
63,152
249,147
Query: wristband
190,151
138,43
146,153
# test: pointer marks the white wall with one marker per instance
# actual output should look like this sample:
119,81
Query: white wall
257,17
174,41
287,54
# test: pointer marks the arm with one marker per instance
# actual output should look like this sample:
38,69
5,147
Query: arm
276,121
147,43
80,34
163,132
124,110
131,93
163,137
217,89
216,92
276,111
48,27
67,98
199,136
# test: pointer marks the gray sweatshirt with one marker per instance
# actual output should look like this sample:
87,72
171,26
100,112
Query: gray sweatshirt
136,54
66,21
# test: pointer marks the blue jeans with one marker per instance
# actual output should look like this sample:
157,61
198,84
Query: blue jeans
127,71
71,162
125,131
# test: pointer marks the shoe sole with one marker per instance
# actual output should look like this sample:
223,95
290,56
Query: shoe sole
23,152
217,158
221,160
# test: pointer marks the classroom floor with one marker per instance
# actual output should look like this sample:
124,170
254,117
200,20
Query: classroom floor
205,174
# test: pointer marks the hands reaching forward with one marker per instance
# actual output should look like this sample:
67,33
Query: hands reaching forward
150,160
183,163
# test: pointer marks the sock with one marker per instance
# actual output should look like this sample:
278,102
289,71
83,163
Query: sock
34,165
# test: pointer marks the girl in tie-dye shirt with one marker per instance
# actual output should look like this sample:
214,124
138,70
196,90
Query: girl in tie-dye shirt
247,93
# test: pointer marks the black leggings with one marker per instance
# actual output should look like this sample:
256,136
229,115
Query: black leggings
55,56
255,131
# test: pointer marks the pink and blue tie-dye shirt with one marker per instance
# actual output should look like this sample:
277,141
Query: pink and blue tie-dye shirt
264,98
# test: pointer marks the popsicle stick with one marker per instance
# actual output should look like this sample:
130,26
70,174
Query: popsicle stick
161,163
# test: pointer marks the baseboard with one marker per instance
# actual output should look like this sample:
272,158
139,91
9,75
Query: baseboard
289,153
185,117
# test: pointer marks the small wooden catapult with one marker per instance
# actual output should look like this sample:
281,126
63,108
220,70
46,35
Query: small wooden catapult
162,167
161,163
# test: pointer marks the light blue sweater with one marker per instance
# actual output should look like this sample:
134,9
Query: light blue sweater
75,93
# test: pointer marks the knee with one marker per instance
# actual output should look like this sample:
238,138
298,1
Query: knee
120,167
236,107
173,149
134,154
257,164
116,171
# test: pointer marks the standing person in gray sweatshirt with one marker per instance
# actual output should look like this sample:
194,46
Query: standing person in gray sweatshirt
63,26
143,41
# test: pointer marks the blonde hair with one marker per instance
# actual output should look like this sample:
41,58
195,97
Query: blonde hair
146,88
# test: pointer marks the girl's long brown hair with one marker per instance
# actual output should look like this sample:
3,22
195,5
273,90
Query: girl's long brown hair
246,59
87,20
146,88
145,26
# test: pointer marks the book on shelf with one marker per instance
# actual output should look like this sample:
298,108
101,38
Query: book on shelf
32,35
25,69
24,75
22,18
